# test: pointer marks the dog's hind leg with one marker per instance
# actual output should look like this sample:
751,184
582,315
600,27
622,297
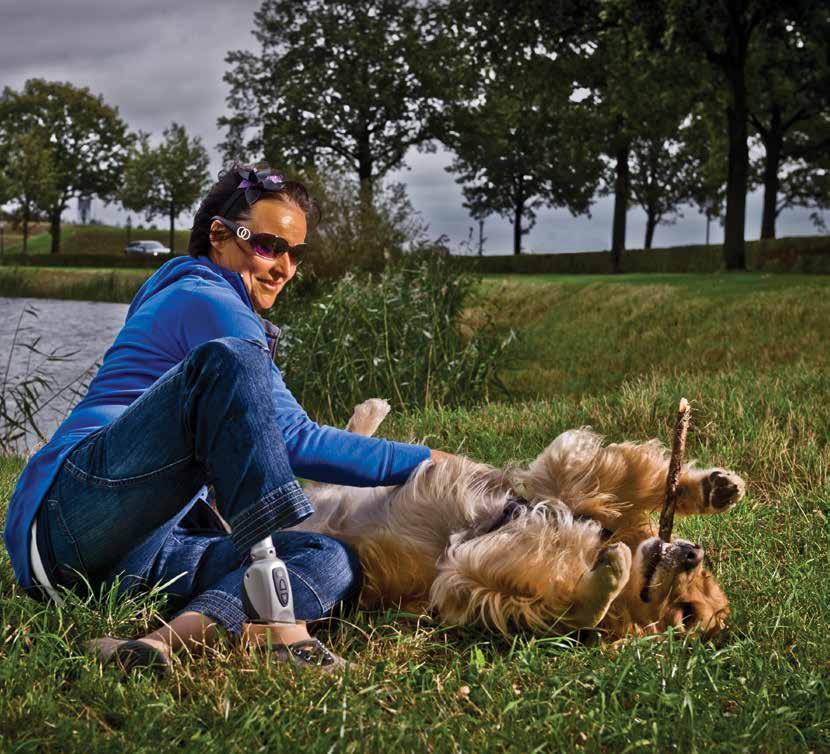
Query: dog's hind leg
708,491
367,416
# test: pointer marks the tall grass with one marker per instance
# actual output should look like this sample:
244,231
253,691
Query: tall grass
116,286
400,334
25,391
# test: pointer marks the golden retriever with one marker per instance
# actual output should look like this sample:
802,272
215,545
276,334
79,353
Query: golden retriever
567,543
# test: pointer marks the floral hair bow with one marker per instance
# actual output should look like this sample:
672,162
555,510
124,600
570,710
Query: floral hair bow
256,183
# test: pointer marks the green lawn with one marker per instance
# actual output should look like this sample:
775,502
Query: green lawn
751,353
96,239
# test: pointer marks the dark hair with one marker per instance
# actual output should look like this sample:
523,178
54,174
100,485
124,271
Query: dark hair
223,191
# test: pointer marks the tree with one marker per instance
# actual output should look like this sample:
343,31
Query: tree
806,182
642,91
166,180
29,177
88,140
703,151
519,150
335,84
659,180
509,115
790,86
722,32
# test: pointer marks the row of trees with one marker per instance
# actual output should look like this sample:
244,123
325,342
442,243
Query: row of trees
542,104
59,142
549,103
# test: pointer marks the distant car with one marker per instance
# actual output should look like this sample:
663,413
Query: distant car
152,248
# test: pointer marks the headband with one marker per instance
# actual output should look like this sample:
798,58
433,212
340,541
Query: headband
253,184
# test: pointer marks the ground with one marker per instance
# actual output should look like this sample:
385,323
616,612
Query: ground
750,352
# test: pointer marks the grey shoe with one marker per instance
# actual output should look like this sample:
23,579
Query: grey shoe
309,653
128,654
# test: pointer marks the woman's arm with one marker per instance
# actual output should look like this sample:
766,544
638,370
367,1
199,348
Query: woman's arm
326,454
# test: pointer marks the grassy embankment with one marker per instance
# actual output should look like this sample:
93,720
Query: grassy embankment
91,239
751,352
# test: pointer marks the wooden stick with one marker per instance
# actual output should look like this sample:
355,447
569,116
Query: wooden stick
684,414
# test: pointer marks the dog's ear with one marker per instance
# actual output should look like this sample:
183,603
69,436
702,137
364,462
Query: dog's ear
494,481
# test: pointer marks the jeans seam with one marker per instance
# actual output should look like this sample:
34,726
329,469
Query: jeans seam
311,588
85,476
260,517
250,513
64,529
257,343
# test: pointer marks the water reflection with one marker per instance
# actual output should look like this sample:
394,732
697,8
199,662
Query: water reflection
78,332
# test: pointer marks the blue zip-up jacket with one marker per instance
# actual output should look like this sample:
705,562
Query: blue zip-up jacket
187,302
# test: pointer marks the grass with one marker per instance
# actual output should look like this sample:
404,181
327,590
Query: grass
94,239
72,283
749,351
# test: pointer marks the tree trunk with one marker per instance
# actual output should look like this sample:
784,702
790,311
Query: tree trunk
774,144
621,192
26,214
733,241
651,224
518,211
365,170
172,231
55,228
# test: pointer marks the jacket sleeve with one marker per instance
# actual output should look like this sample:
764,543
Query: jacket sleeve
316,452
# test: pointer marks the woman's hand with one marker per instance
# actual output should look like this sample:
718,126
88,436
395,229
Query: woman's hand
439,455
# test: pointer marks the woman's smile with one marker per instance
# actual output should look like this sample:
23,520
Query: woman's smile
271,285
264,278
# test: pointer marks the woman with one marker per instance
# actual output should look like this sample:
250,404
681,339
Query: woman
189,395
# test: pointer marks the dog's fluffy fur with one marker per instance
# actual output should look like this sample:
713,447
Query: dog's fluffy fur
549,567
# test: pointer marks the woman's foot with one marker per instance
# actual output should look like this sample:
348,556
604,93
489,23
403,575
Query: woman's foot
293,644
129,654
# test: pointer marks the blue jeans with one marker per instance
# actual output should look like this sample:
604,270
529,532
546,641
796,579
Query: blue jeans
118,506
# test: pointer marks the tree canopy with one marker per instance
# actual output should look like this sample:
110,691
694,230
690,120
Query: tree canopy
168,179
337,84
86,138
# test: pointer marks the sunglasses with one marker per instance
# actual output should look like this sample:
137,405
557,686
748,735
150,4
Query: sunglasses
265,245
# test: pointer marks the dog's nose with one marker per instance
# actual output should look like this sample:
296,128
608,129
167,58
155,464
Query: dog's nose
691,556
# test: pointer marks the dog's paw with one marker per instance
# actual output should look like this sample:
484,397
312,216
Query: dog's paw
709,491
612,567
600,586
367,416
722,489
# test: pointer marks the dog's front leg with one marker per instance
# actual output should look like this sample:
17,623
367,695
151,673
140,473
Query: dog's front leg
367,416
600,586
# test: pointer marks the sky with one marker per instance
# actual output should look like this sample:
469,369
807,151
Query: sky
159,62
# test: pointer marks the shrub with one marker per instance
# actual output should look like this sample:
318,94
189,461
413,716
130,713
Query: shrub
352,236
401,334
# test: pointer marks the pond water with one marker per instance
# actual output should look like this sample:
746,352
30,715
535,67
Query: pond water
70,338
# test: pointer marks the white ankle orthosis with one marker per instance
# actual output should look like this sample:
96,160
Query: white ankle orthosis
266,591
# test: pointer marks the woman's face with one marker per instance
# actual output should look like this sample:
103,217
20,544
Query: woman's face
263,278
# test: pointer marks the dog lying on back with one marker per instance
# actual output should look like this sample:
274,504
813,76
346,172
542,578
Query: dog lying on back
566,544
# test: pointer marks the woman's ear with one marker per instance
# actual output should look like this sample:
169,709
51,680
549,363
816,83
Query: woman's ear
217,235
